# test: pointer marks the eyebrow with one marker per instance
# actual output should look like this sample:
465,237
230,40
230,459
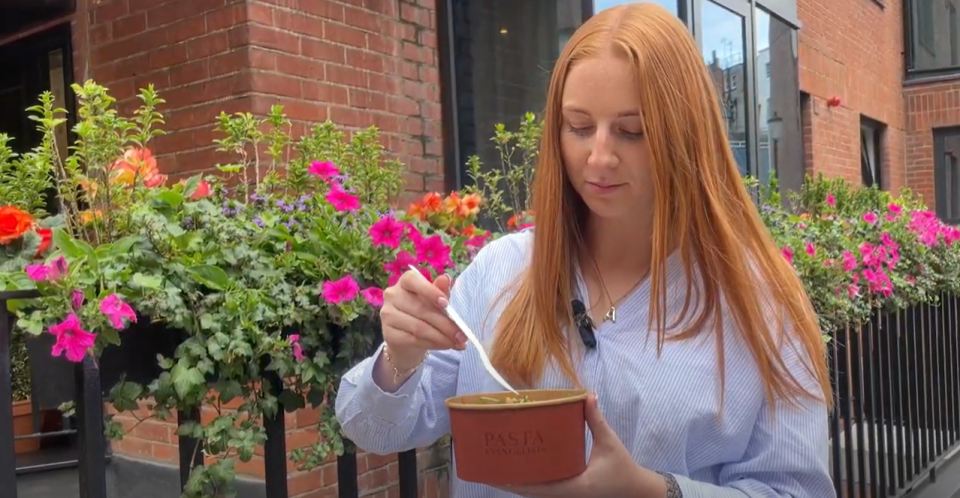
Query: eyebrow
621,114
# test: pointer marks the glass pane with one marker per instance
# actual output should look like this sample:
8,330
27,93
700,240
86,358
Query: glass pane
935,35
599,5
724,46
780,136
504,52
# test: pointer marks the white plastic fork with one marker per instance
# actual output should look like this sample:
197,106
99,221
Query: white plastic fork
452,313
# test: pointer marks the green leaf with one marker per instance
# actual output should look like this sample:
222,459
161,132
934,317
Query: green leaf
147,282
185,379
291,401
229,390
171,198
191,185
67,244
211,276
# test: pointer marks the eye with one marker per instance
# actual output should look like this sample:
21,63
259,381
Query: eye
633,135
584,130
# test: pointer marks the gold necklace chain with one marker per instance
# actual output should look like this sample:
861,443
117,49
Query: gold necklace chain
611,314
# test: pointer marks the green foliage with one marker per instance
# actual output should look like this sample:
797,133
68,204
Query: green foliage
237,262
507,189
20,372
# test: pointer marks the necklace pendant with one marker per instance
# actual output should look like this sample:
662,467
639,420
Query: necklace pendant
611,315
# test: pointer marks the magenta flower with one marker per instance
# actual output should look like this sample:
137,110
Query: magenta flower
387,231
870,218
76,299
342,201
399,265
56,270
323,169
373,296
433,251
116,310
340,291
831,200
849,261
788,254
71,339
294,341
811,249
38,273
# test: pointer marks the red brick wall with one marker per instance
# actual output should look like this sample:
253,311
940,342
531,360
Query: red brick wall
358,63
852,49
929,106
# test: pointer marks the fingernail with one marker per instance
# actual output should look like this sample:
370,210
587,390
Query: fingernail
442,302
461,338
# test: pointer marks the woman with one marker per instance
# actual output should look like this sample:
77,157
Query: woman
708,368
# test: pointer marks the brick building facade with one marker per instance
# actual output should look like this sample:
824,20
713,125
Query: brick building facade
814,86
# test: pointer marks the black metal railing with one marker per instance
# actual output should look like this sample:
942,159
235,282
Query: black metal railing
92,456
897,386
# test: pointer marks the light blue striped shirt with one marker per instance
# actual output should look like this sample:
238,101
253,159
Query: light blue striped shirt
665,410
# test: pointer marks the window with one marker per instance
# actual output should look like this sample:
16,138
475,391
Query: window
871,159
496,58
946,150
933,36
779,128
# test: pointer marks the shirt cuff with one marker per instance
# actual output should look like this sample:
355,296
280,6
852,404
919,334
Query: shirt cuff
393,408
696,489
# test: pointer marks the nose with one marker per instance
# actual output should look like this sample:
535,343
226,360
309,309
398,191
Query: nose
603,153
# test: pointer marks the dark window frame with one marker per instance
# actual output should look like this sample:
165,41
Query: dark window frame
879,136
688,10
910,47
939,179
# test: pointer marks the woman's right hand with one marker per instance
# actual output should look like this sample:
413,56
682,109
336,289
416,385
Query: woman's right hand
413,319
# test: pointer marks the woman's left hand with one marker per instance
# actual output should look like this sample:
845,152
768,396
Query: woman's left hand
611,471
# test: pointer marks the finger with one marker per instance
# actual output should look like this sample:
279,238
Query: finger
595,421
443,283
414,331
432,317
416,284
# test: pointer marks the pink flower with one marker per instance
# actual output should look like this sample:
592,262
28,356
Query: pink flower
853,290
849,261
788,254
76,299
340,291
433,251
811,249
323,169
72,339
477,241
894,210
879,282
870,218
831,200
387,231
38,273
294,341
373,296
341,200
56,270
116,310
399,265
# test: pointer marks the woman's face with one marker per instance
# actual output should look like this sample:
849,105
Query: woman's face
601,139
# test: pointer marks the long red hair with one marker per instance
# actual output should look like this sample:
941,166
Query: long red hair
697,185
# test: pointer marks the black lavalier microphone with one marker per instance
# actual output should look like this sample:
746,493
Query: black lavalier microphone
584,324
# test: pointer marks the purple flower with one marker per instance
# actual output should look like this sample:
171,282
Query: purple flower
257,221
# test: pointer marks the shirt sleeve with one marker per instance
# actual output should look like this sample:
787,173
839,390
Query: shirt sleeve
787,455
415,415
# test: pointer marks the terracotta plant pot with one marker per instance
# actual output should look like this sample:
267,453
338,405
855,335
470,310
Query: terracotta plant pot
23,425
497,442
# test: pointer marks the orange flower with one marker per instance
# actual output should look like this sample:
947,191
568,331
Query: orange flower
432,203
13,224
416,210
46,238
470,205
87,217
452,203
137,163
